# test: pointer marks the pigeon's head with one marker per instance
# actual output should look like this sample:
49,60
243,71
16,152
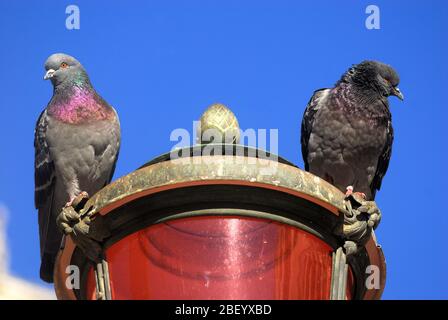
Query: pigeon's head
64,69
377,75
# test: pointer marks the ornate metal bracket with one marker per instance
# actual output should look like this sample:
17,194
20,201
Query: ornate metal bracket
360,218
339,275
103,291
76,221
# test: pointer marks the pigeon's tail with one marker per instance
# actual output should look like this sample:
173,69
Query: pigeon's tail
50,237
49,251
47,267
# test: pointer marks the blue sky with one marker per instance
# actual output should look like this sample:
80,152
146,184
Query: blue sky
161,63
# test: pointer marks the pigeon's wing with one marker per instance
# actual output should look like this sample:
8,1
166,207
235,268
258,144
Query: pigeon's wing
44,177
117,152
308,120
112,170
383,161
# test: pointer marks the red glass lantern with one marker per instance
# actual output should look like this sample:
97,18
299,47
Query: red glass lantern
219,230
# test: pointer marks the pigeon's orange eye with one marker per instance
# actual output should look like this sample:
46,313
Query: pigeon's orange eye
64,65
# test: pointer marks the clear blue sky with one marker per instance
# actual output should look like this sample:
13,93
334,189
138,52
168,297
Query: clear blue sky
161,63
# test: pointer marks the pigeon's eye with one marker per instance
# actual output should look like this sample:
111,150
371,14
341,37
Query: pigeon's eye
64,65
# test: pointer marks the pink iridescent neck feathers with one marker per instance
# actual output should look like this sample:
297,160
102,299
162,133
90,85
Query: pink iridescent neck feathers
79,105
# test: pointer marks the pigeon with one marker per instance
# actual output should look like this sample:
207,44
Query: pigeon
347,133
76,141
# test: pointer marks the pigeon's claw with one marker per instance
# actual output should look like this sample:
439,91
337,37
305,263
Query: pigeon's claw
69,203
75,201
349,191
361,194
84,194
80,198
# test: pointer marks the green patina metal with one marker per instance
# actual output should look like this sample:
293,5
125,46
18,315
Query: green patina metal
215,168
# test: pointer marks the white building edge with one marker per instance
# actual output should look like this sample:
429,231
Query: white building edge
12,287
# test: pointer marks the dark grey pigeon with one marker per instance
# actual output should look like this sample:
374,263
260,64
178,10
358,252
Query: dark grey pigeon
77,139
347,131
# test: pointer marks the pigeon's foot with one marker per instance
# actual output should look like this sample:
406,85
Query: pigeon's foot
69,204
77,200
360,194
350,192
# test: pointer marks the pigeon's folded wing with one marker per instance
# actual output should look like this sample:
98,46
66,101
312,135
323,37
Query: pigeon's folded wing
383,161
307,122
44,176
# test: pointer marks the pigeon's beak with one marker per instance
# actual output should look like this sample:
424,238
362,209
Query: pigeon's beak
49,74
396,92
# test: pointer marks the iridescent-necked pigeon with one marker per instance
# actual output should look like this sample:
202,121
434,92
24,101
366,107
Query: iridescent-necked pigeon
77,139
